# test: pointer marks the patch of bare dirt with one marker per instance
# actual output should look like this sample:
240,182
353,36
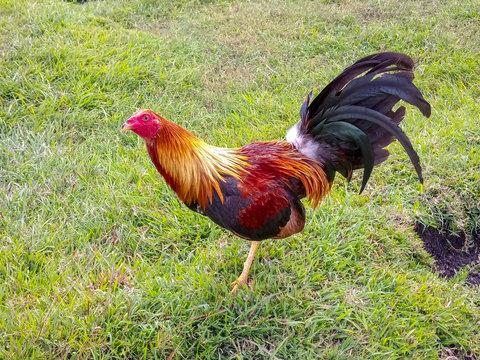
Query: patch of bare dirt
452,353
451,252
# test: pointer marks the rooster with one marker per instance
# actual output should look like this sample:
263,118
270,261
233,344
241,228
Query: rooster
255,191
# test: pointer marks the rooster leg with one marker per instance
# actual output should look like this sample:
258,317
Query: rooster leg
242,279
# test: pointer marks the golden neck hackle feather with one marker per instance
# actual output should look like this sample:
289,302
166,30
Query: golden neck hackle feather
192,167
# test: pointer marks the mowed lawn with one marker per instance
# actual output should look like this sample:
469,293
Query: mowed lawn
98,258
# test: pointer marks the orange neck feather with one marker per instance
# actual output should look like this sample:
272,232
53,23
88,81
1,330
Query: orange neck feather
191,167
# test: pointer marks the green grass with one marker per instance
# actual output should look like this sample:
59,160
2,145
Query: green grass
98,259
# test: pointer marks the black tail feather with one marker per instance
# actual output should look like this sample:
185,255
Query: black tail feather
376,63
355,114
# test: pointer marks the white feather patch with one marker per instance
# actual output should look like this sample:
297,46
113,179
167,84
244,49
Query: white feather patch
302,142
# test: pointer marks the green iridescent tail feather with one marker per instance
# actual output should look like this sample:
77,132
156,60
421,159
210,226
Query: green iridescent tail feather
355,115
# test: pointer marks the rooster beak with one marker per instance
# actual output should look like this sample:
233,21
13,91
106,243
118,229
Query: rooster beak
125,127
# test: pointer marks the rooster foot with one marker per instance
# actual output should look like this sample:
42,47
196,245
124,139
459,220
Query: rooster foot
242,279
237,284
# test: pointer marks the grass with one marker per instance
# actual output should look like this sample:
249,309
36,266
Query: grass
98,259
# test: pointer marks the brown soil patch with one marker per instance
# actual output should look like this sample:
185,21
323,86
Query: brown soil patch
451,252
452,353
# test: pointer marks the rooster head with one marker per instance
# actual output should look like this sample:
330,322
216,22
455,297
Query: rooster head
144,123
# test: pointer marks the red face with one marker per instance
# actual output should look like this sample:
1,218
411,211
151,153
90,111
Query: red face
144,123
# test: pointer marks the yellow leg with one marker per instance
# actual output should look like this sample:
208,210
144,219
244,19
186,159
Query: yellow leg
242,279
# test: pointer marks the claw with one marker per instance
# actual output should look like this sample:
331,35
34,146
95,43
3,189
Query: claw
243,278
234,291
237,284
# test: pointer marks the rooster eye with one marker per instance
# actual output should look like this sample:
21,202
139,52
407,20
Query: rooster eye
146,118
